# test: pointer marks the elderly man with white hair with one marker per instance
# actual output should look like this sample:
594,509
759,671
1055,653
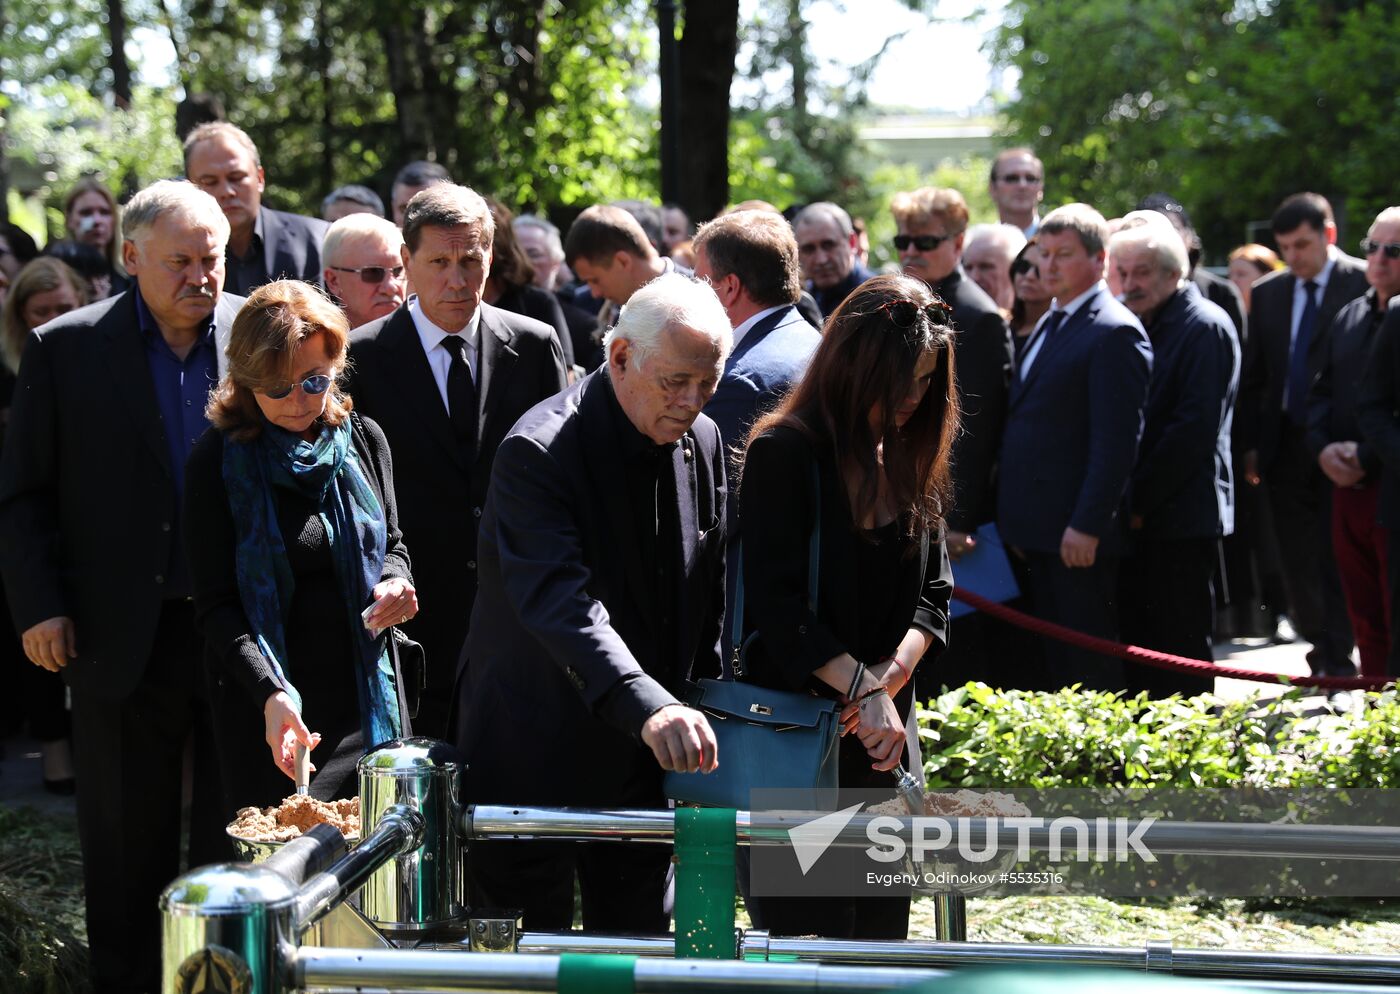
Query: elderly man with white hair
987,255
109,402
364,271
1182,497
601,591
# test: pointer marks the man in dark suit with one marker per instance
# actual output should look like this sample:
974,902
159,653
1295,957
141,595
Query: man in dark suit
264,244
109,402
445,376
1290,314
1181,497
1349,460
602,591
1070,444
750,259
1380,425
826,248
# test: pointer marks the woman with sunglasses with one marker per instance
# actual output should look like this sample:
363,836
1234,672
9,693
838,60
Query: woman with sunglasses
859,450
1032,298
296,559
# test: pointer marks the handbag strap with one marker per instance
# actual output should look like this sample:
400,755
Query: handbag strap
814,550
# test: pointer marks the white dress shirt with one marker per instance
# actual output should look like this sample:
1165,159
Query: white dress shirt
743,329
1037,339
439,356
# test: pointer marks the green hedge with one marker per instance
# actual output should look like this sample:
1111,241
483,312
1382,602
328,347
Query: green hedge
976,736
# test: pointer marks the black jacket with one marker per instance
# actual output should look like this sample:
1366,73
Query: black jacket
1378,413
1342,360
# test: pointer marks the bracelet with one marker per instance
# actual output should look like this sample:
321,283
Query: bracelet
855,683
902,668
882,689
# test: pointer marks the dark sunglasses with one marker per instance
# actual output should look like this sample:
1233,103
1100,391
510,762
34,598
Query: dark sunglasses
903,313
924,243
1391,249
1027,178
311,386
371,274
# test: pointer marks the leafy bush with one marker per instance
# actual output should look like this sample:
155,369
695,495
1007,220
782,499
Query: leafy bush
975,736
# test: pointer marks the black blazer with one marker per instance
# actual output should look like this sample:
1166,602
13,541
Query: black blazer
1265,370
544,307
1345,353
1226,296
1378,413
983,354
440,497
559,671
1183,486
87,492
291,249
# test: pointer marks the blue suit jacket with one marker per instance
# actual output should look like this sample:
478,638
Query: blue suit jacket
1072,430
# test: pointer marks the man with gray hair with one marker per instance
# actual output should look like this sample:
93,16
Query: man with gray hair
1182,493
445,376
364,267
352,198
263,244
601,593
109,402
827,249
1070,445
987,256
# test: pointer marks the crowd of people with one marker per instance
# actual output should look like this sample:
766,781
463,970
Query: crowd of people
253,461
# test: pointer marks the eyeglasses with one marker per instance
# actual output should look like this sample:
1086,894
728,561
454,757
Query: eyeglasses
1031,179
311,386
924,243
372,274
903,313
1391,249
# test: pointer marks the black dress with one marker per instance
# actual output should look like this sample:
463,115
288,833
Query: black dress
317,629
873,586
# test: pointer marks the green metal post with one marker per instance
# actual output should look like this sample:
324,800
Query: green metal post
705,844
584,973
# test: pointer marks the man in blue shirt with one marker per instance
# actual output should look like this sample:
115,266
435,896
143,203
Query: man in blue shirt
109,401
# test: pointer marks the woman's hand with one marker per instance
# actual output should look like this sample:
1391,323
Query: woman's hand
893,674
283,729
395,601
881,731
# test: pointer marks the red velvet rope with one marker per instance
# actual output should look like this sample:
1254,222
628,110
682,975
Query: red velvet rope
1151,657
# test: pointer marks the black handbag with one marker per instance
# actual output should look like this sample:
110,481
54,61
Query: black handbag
767,738
411,662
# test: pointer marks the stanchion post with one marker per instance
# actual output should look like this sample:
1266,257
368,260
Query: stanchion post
950,917
704,861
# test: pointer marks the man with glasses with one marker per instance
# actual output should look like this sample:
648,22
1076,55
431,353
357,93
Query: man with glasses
1291,311
1346,452
364,268
445,376
1017,187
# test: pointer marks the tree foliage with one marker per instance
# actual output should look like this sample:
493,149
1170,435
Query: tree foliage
1229,105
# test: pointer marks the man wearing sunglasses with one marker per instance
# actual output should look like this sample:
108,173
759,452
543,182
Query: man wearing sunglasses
1291,311
364,270
445,376
1347,453
1017,186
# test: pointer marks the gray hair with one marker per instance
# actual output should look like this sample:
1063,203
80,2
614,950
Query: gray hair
1083,220
447,205
670,301
1159,239
1391,215
824,210
553,242
358,226
1007,237
172,196
355,194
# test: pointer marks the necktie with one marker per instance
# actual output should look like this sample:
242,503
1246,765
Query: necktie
1298,379
461,396
1052,325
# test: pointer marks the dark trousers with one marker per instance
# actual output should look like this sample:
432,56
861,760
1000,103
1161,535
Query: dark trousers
1299,497
129,753
1393,572
1166,603
623,886
1084,599
1360,544
832,917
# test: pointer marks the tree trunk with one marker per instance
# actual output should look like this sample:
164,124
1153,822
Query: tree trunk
323,51
708,47
121,69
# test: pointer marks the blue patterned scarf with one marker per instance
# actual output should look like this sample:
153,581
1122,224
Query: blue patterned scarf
329,471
